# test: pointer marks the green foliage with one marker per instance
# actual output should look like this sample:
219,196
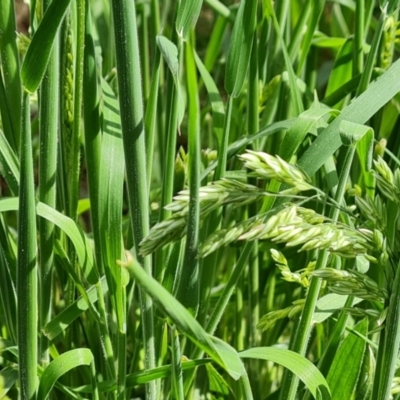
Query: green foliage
199,199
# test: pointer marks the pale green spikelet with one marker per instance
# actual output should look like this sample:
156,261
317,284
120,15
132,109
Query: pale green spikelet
264,165
268,320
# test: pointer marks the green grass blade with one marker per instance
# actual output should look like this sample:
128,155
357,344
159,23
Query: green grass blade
49,118
27,289
219,351
132,122
240,47
359,111
36,59
188,284
65,318
11,110
82,246
296,363
188,13
10,164
60,366
8,377
349,358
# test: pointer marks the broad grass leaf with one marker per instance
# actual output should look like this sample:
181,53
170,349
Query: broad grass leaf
299,365
219,351
60,366
188,13
240,47
111,182
38,54
359,111
65,318
346,366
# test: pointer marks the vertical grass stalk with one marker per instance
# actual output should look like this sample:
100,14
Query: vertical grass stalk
49,107
131,109
26,264
304,326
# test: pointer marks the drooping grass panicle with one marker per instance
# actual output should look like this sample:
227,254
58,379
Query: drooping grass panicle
264,165
211,197
352,283
388,182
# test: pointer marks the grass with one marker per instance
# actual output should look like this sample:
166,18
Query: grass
199,200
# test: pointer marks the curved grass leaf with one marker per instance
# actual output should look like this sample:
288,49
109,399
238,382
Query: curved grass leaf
217,105
240,47
65,318
219,351
8,376
359,111
329,304
60,366
69,227
188,13
346,366
38,54
111,183
9,164
140,378
296,363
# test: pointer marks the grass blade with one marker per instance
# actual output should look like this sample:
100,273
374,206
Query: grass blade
27,290
38,54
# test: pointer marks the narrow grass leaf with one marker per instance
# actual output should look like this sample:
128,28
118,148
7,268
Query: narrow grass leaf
346,366
170,53
69,227
351,132
140,378
359,111
299,365
38,54
342,71
298,131
223,354
8,377
188,13
217,105
111,181
27,270
65,318
11,86
329,304
294,89
240,144
9,164
60,366
240,47
216,382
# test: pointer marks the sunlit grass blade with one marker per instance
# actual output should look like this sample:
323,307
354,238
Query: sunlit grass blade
131,109
10,109
27,281
37,57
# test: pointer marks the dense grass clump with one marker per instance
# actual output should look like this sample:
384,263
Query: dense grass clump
199,199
